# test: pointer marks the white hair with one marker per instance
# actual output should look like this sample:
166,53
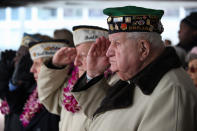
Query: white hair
153,37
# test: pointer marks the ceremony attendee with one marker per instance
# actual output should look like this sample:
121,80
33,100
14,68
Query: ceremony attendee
155,94
167,42
191,60
64,34
54,84
36,115
15,90
188,26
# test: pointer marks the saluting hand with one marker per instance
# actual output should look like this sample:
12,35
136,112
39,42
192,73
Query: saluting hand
64,56
97,61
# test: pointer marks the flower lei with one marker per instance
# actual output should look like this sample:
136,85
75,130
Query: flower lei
31,107
69,102
107,73
4,108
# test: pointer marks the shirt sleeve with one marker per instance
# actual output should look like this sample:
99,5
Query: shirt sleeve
169,110
50,86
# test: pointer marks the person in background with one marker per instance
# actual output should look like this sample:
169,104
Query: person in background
23,112
188,32
64,34
54,85
13,99
167,42
191,60
39,118
155,94
188,25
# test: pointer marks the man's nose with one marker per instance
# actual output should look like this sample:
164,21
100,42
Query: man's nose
110,51
32,70
77,61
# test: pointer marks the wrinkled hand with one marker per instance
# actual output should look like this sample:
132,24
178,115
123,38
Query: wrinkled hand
97,61
64,56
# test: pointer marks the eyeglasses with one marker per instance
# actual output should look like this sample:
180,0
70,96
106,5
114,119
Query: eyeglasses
192,69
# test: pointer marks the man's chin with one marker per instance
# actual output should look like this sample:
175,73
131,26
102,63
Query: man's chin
122,76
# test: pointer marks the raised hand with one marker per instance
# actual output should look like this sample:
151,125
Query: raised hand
6,70
7,57
7,64
97,61
64,56
22,76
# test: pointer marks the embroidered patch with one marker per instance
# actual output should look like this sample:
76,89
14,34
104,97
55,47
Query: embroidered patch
109,19
123,26
118,19
135,23
128,19
116,27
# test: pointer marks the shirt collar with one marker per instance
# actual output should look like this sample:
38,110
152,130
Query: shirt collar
148,78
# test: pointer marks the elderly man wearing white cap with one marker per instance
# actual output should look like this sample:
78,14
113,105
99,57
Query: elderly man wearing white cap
34,115
58,76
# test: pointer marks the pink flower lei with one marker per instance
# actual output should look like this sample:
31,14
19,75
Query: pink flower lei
31,107
69,102
4,108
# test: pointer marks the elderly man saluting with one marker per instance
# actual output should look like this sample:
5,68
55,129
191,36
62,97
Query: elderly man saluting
154,93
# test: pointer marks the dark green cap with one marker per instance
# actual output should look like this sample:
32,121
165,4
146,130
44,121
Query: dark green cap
134,19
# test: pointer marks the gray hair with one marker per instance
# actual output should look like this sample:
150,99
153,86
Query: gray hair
153,37
192,54
190,57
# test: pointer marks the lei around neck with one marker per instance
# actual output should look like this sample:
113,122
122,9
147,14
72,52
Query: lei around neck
69,102
31,107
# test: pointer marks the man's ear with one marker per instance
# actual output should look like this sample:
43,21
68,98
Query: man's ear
144,49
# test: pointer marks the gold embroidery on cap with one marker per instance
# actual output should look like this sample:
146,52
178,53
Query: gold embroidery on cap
109,19
111,27
148,22
128,19
116,27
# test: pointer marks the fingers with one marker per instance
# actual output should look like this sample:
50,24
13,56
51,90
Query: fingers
104,45
107,44
103,41
99,48
72,58
71,52
64,56
66,51
61,51
92,50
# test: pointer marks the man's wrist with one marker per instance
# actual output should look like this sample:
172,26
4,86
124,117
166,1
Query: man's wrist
58,66
50,64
